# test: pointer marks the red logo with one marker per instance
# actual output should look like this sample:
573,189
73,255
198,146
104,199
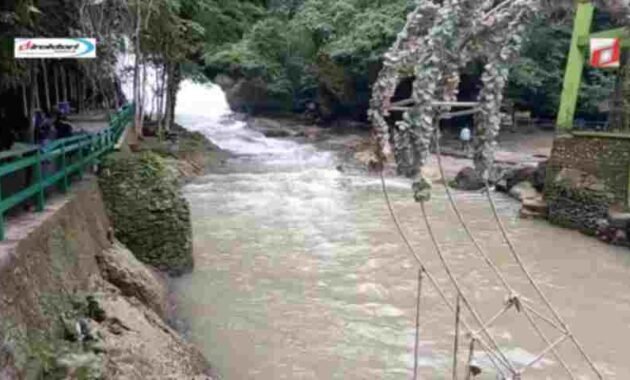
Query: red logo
26,46
605,52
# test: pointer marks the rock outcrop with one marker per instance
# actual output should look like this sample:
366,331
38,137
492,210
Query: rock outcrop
254,96
468,179
160,354
148,211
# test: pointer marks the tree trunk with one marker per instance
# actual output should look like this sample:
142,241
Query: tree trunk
625,93
30,132
136,74
173,89
160,97
169,97
73,90
56,78
143,91
46,86
64,84
116,98
80,97
95,92
156,97
24,100
37,103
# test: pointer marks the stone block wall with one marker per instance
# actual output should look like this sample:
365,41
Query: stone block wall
587,173
606,157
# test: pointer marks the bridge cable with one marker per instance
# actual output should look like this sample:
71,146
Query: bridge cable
517,257
484,346
495,269
417,341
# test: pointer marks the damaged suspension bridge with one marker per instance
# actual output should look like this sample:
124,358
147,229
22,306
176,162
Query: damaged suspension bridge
439,40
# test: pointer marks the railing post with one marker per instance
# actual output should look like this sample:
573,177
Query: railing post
39,181
1,214
81,155
64,182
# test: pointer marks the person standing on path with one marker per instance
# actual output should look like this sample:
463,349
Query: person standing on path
465,136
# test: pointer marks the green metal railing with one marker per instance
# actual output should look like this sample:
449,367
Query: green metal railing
69,156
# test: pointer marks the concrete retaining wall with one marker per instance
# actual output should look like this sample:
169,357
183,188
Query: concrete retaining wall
587,174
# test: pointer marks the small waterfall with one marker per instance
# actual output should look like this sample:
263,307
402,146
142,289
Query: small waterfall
125,72
204,108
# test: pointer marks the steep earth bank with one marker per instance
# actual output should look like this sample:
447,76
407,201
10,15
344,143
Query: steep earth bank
76,304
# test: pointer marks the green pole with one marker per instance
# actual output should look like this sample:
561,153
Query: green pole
64,181
81,162
39,182
575,66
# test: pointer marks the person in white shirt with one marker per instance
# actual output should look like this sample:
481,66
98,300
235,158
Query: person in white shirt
465,136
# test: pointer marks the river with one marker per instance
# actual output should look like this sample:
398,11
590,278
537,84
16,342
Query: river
300,273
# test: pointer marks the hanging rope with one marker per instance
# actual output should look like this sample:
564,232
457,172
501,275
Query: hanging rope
539,291
512,297
456,342
471,356
482,253
496,361
504,360
416,349
501,357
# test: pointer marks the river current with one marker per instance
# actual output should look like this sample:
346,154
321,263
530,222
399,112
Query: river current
300,273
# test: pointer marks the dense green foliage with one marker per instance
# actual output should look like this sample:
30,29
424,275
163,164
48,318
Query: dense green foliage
300,46
291,52
329,51
536,79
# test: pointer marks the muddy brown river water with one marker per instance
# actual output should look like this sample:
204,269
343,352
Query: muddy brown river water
300,273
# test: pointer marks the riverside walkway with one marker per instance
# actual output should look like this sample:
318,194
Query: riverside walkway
57,165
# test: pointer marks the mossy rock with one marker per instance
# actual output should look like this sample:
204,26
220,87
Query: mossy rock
149,213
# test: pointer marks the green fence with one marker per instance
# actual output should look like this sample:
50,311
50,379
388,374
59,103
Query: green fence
69,156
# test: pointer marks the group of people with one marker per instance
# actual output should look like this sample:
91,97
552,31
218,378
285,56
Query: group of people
48,128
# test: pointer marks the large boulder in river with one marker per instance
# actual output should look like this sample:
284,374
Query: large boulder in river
519,175
255,96
539,176
523,190
149,213
468,179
